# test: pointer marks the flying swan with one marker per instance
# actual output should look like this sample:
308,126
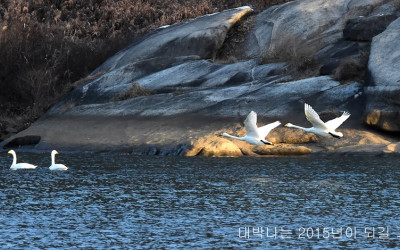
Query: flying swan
319,127
255,135
55,166
15,165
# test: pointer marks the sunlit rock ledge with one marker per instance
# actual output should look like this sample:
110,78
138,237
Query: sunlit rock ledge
290,142
175,90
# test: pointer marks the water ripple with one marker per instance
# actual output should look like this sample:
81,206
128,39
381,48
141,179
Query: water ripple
111,200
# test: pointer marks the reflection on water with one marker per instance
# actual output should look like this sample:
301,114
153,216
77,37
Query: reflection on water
110,200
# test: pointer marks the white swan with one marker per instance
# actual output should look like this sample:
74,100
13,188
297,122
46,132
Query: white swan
255,135
15,165
319,127
55,166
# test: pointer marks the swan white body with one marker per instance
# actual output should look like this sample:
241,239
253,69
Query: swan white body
255,135
15,165
55,166
319,127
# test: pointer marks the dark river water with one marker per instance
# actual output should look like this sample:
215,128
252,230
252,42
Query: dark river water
113,200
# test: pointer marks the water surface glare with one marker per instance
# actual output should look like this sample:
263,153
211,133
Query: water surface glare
111,200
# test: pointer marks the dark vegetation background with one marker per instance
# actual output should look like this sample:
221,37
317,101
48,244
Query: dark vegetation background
48,45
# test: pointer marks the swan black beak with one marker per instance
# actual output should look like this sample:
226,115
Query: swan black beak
337,137
267,142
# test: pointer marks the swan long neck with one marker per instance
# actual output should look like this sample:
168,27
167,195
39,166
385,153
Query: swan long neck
233,137
299,127
53,158
14,158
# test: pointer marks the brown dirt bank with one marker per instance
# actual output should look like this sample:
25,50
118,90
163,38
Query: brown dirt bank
191,135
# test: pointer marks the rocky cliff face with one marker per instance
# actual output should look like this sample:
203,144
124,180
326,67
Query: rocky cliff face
383,91
182,82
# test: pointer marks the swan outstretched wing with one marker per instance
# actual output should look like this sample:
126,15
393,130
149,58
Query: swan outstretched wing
264,130
251,124
335,123
313,117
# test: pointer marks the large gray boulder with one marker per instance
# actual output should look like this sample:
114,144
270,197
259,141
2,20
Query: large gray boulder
296,27
383,102
286,100
189,76
202,37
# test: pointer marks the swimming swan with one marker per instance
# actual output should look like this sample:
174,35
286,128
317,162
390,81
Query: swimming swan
15,165
255,135
55,166
319,127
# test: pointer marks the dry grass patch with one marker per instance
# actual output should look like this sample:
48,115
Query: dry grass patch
233,47
350,69
300,57
134,91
